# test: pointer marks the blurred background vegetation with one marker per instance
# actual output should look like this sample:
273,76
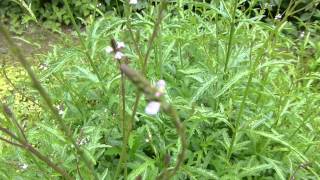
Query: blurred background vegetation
52,14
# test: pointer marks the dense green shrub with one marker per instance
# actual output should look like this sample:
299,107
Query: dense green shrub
246,90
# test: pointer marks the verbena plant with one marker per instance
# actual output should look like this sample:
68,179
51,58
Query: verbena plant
242,94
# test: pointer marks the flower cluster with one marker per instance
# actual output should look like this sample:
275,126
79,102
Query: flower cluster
116,50
153,107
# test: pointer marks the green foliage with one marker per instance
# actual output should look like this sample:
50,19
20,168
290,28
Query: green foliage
52,14
259,119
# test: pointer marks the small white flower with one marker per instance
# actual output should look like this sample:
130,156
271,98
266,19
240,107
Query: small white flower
24,166
133,1
147,140
161,83
278,17
109,49
83,141
43,67
120,45
118,55
302,34
60,109
152,108
61,112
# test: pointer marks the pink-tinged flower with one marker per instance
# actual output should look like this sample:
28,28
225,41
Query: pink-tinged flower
120,45
161,85
153,107
133,1
109,49
118,55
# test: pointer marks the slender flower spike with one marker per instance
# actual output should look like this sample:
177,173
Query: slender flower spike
133,1
118,55
152,108
109,49
120,45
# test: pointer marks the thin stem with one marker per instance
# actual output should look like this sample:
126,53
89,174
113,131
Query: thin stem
37,85
272,38
182,135
303,123
118,9
73,93
154,34
78,169
145,59
10,116
125,133
242,105
156,28
12,143
125,128
134,40
47,161
231,34
82,41
95,10
311,144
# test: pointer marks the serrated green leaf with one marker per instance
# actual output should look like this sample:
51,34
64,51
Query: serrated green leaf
200,173
253,171
230,83
139,170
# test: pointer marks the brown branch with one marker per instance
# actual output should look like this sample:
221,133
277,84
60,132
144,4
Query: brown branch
25,145
10,142
10,116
